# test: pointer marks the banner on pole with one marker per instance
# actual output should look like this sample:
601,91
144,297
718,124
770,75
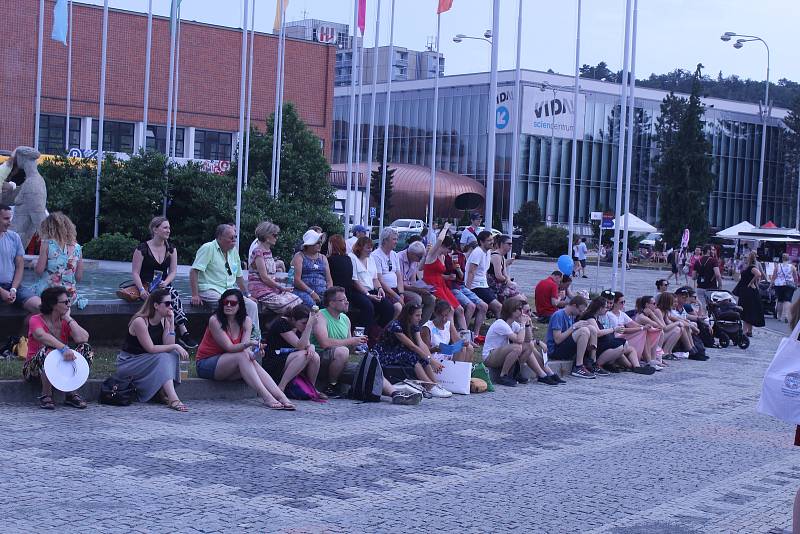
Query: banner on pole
444,5
60,22
362,15
276,26
543,112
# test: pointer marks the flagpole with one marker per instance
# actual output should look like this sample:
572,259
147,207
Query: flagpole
432,193
280,100
276,139
490,156
242,92
102,114
69,77
370,157
351,127
386,116
177,82
574,156
39,48
357,168
170,87
517,102
249,93
143,142
629,146
621,150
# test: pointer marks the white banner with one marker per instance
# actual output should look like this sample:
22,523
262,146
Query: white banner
542,113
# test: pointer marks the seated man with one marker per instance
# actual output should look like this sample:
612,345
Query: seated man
359,230
567,338
387,263
12,257
410,269
217,268
333,338
546,296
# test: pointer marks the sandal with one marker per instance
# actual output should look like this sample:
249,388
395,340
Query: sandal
74,400
178,406
288,406
46,402
321,395
273,405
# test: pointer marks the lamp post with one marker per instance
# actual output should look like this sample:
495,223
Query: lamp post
727,36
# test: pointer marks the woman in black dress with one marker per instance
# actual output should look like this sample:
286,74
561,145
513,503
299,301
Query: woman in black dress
747,291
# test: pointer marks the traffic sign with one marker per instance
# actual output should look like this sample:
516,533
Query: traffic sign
608,220
373,212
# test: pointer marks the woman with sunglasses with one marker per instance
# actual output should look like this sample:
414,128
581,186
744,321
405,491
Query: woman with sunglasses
150,354
227,352
640,337
261,278
51,330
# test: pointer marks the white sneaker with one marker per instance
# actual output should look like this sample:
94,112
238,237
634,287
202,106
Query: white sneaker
682,355
405,388
439,392
656,366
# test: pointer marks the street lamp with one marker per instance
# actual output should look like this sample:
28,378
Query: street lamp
727,36
487,36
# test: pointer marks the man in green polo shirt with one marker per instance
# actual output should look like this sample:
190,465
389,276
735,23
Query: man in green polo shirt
216,269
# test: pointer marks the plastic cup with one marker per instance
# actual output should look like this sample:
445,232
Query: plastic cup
184,369
359,330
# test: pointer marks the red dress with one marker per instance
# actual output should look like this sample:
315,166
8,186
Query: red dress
432,274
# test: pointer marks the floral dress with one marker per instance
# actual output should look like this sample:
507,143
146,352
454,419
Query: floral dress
391,350
275,300
60,271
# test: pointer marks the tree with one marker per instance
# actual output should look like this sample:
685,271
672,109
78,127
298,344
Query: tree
551,240
375,186
528,217
599,72
792,144
683,166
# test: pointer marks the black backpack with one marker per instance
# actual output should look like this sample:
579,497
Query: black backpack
368,382
117,391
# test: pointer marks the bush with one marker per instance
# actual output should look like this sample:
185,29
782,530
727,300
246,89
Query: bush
115,247
552,241
528,217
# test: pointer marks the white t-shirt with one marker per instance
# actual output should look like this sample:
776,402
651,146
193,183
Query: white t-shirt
438,337
479,261
348,244
498,334
364,274
387,266
615,321
581,250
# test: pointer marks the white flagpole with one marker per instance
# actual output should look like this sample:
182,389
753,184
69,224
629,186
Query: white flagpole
351,130
574,157
242,91
69,77
517,101
280,100
276,138
357,168
170,88
386,116
39,48
102,114
171,149
432,193
249,93
370,157
146,108
490,153
629,146
621,151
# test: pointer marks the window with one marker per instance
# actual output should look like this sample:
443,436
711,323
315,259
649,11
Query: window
212,145
117,136
157,139
51,133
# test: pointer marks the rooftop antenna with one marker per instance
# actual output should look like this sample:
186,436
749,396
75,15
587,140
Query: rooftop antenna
430,43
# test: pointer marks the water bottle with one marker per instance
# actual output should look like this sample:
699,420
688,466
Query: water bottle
156,280
184,369
290,277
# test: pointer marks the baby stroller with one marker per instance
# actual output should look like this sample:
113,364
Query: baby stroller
726,319
769,299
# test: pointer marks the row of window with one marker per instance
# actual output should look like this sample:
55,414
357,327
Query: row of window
119,137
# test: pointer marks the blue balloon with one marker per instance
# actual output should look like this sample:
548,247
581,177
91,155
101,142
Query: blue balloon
565,264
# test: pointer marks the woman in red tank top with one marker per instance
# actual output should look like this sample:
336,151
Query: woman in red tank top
433,273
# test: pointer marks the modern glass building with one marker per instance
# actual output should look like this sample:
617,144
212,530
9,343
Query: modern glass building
733,129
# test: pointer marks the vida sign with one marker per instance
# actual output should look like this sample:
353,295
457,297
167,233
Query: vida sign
544,113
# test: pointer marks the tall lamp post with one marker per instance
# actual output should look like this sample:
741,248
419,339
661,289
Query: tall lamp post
727,36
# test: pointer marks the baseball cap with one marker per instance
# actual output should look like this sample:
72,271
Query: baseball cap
359,228
475,215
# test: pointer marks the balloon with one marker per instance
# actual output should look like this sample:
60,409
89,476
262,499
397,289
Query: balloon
565,264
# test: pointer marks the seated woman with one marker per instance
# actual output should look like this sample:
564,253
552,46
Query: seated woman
640,337
288,351
60,260
434,271
52,329
261,281
605,347
311,273
647,314
150,355
538,350
375,310
157,259
506,345
441,330
340,263
223,355
666,303
401,345
497,276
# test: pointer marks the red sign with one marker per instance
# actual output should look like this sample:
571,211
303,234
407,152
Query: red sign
793,250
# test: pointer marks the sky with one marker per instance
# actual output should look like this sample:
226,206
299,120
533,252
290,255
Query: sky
671,33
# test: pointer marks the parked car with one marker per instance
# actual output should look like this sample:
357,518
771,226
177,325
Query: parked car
407,225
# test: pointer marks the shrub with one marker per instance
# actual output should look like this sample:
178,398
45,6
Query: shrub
115,247
528,217
552,241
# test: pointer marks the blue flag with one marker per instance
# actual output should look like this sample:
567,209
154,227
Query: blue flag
60,22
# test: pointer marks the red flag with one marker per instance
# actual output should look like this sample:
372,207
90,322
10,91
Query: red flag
362,15
444,5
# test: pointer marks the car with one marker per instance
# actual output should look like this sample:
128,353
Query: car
407,225
651,239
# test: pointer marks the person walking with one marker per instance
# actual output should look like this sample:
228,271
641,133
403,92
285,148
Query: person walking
747,292
784,280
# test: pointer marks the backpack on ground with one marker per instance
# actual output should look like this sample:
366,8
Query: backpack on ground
301,388
368,382
117,391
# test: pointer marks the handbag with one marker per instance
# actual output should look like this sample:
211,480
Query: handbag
780,390
117,391
128,291
454,376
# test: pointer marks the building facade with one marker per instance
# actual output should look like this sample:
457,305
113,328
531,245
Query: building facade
207,81
733,128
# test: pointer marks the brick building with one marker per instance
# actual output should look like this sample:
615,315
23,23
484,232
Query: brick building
208,100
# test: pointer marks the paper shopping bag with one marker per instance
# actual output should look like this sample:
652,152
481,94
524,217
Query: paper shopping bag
455,376
780,390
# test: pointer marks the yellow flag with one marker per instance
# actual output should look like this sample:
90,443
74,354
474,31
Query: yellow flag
276,27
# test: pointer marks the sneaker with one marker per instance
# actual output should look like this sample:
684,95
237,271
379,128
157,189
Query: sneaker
644,370
697,357
584,276
332,391
439,392
557,379
582,372
404,398
670,356
599,371
506,381
521,380
681,355
414,386
656,366
187,341
611,368
548,380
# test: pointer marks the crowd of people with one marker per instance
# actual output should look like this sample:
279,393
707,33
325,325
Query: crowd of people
404,307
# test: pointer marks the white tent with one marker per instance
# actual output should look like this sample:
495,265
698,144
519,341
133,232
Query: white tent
636,225
733,231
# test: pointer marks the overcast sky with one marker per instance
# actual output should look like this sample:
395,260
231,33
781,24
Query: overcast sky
671,33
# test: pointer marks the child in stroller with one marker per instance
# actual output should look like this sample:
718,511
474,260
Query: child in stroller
726,319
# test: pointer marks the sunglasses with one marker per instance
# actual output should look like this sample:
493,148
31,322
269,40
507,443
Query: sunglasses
228,268
390,265
229,302
62,301
166,302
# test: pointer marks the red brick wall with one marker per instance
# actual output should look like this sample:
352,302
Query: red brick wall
210,65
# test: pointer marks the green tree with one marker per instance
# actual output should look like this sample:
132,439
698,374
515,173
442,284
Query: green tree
551,240
792,144
683,166
528,217
375,191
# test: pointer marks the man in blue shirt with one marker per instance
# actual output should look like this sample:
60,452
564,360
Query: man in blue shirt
567,338
11,267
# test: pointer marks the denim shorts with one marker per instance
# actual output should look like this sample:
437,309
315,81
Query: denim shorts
23,294
207,366
466,296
